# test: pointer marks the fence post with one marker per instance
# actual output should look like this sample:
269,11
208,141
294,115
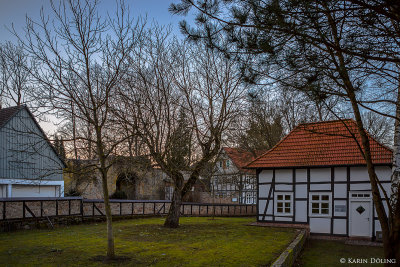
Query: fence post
23,209
81,207
4,210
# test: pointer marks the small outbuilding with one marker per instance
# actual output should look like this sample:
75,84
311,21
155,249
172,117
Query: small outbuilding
316,175
29,165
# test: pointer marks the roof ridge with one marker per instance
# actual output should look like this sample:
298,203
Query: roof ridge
323,122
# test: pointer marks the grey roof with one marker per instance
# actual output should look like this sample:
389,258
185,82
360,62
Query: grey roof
7,113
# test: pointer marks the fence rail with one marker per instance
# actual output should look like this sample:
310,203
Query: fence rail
37,208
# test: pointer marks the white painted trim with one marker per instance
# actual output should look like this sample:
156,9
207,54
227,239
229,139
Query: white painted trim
310,201
292,207
10,182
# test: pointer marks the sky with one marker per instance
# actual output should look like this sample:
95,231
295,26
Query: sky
14,12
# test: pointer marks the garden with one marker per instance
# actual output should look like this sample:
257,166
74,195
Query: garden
199,241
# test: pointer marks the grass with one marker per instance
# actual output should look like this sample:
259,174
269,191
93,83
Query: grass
198,242
329,253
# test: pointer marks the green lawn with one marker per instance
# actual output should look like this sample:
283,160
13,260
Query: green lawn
198,242
329,253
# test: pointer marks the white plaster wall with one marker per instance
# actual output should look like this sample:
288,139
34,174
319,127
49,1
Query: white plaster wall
284,176
340,190
359,174
301,191
268,218
339,226
35,191
320,175
340,174
384,173
301,211
364,186
301,175
270,209
263,190
265,176
316,187
261,206
284,187
320,225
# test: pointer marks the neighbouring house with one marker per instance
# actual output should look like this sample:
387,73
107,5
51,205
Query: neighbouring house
29,165
317,175
230,182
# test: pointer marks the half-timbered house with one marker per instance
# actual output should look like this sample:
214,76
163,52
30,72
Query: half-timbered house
316,175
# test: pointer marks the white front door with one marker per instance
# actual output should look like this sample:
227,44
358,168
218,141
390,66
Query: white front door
360,218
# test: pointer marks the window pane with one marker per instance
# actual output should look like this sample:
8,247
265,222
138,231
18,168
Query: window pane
315,211
287,210
287,197
315,205
287,205
315,197
325,211
280,197
325,205
280,204
279,210
325,197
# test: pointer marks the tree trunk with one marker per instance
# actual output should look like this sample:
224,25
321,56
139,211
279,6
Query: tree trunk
172,220
103,170
110,236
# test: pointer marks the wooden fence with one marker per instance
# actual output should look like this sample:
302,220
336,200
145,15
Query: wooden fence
38,208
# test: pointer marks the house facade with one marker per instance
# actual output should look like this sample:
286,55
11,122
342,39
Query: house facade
230,181
29,165
317,176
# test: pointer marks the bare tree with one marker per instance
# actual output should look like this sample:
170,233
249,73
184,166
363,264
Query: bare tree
167,79
80,57
15,84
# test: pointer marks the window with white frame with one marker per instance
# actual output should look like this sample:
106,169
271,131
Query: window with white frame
284,203
320,204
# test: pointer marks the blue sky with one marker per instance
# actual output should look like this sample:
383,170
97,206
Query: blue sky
14,11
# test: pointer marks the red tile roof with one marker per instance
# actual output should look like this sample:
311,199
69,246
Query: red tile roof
240,157
328,143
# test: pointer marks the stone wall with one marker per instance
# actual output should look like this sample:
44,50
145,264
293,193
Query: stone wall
149,182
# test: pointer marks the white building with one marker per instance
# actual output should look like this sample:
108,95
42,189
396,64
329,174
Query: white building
29,165
317,175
